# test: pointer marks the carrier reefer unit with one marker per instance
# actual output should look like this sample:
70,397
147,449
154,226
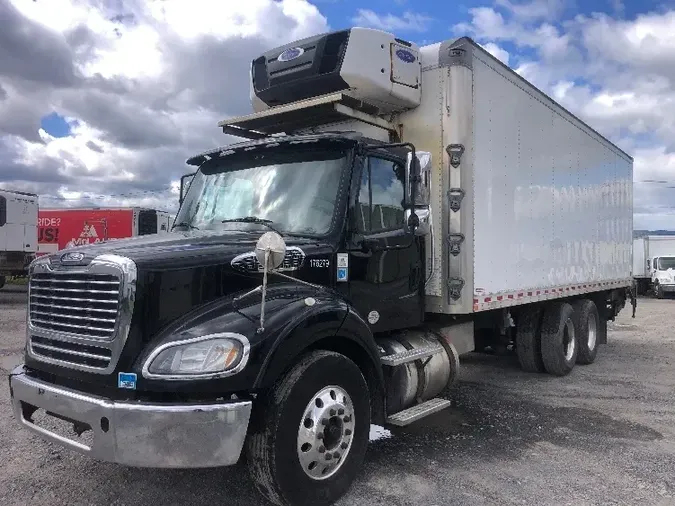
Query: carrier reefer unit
393,208
62,228
18,232
654,264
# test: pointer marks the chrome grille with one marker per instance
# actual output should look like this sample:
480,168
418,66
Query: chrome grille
80,316
248,262
84,304
79,354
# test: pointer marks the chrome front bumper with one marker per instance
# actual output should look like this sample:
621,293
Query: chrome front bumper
668,288
137,434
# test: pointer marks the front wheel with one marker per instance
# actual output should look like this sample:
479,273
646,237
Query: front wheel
309,433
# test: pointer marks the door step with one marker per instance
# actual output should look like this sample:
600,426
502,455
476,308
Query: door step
410,355
410,415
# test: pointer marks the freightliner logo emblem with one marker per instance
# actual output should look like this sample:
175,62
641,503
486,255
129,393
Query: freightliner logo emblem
73,256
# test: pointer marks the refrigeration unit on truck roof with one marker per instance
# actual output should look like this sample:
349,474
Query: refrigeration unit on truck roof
364,64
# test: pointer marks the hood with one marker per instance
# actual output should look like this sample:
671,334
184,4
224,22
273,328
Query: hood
180,249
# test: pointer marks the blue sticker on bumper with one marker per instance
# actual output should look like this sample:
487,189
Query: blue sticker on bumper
126,380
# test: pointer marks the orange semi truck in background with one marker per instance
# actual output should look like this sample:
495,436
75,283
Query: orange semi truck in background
64,228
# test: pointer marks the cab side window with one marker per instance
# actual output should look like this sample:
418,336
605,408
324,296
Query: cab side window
380,199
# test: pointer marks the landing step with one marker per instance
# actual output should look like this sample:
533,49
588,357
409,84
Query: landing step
410,355
410,415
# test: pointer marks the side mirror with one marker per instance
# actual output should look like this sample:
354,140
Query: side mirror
418,195
184,187
418,171
418,223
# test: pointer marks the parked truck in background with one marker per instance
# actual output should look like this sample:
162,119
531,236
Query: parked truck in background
18,232
61,228
654,264
391,207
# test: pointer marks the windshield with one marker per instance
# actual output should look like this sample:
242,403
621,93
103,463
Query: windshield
292,189
666,263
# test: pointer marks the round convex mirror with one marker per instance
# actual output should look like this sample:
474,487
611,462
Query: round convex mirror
276,246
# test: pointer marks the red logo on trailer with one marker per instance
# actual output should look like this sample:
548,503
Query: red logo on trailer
65,228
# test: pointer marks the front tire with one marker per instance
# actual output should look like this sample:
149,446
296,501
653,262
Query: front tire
559,347
309,433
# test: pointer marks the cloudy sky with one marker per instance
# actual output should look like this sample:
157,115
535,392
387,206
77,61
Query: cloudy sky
101,101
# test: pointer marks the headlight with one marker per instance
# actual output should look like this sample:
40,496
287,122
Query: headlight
211,356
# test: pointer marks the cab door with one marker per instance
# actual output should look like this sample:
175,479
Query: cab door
386,260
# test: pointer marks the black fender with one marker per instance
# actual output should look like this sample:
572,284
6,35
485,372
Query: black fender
353,338
297,317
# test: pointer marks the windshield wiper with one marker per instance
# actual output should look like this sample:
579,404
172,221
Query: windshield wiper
254,219
184,224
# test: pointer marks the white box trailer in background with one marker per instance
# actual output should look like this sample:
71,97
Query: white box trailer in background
18,232
654,264
164,221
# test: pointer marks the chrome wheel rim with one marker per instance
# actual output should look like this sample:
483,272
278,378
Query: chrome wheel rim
569,342
326,432
592,331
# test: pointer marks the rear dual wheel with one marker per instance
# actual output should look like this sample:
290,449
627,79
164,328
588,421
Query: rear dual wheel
587,325
555,337
559,339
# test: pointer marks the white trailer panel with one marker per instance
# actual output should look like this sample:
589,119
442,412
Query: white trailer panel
546,210
639,259
658,246
18,222
552,199
164,221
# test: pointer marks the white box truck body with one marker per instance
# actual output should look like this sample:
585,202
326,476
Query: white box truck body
654,264
546,202
18,232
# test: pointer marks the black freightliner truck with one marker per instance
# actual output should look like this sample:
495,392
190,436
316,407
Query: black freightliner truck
328,272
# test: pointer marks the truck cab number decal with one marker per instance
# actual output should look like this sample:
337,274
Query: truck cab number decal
322,263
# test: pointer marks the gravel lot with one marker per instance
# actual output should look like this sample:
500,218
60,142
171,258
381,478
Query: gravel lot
603,435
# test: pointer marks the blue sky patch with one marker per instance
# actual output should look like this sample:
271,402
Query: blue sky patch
56,125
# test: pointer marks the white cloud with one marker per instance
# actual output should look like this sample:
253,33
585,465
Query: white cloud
534,9
146,81
496,51
409,21
618,75
488,24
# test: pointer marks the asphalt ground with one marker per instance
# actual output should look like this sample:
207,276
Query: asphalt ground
603,435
